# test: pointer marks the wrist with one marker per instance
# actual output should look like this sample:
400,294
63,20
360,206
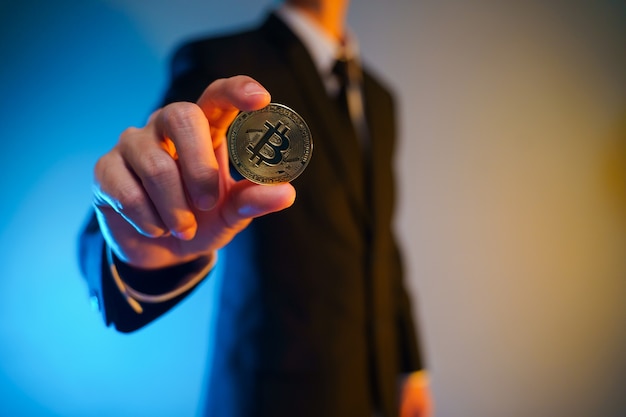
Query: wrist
139,286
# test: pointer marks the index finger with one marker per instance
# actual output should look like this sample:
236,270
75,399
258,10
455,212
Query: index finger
224,98
197,130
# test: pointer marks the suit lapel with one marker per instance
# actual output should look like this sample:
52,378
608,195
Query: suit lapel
337,139
381,192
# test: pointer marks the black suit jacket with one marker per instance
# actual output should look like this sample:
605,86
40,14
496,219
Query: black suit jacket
314,317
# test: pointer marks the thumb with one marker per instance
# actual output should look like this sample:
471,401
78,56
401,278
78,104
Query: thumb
248,200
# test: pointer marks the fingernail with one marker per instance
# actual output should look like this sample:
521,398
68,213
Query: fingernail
187,234
249,211
253,89
205,202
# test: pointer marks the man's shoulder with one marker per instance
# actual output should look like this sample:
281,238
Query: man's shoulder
225,39
247,35
215,50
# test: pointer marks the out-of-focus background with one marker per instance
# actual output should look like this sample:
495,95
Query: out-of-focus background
512,210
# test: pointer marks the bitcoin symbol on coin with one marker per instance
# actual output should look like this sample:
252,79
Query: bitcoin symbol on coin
275,155
271,145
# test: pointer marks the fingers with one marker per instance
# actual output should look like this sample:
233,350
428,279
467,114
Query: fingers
195,131
153,173
118,189
187,128
224,98
248,200
143,185
160,176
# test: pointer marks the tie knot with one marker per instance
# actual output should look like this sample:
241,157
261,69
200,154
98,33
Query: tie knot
340,69
347,71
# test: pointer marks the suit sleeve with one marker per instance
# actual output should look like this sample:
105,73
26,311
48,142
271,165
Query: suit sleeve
411,356
94,266
106,296
410,350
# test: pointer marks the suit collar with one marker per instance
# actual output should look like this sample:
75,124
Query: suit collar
336,137
322,48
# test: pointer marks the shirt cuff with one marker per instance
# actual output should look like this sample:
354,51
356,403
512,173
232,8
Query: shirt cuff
134,297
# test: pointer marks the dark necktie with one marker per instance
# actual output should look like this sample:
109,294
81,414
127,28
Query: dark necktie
350,77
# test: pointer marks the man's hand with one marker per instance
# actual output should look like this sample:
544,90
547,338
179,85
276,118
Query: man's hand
416,399
164,194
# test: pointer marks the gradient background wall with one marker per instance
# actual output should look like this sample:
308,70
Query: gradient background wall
512,209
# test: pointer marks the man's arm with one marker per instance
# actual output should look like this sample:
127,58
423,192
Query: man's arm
122,310
165,203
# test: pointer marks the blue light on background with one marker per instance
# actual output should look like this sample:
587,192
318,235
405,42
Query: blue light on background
508,116
74,75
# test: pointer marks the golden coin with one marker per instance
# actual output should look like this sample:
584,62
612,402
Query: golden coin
271,145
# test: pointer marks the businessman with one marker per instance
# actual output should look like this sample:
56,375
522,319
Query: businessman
314,318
